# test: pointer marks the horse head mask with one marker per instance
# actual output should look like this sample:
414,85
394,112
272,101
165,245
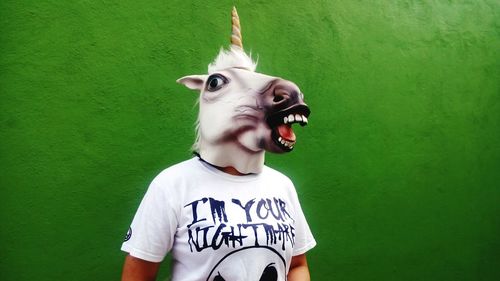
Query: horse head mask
243,113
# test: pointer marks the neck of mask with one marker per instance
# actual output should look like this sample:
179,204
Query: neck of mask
231,154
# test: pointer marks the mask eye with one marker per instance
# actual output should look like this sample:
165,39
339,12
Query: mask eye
215,82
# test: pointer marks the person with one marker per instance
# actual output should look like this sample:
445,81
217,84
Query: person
223,214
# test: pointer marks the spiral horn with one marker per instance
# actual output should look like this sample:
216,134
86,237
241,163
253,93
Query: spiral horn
236,39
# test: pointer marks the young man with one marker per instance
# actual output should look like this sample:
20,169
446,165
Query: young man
224,215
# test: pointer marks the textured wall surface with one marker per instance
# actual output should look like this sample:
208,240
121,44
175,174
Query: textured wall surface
398,171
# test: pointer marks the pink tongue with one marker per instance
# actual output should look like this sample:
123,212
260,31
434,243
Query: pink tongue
286,132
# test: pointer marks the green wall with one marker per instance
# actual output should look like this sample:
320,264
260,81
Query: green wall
398,171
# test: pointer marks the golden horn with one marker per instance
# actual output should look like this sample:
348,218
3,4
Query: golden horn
236,38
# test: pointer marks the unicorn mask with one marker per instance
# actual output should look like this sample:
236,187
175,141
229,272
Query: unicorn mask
243,113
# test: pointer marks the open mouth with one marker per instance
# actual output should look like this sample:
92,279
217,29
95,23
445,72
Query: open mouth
281,125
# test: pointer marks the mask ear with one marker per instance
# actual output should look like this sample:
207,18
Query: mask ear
193,82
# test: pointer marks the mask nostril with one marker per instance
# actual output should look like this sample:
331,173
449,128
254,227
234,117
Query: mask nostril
278,98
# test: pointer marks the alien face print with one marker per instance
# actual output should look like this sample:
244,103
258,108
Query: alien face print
250,264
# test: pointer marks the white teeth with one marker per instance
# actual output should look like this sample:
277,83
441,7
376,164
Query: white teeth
288,144
295,118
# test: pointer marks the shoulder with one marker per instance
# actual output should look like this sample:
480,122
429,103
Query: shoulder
284,185
276,175
177,173
180,168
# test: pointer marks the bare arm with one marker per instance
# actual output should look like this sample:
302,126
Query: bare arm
136,269
299,271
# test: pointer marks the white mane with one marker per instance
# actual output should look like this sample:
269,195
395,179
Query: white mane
196,145
234,57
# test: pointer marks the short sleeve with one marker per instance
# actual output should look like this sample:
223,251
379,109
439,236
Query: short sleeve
304,239
151,234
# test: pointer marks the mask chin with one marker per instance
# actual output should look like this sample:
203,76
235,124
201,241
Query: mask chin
240,150
255,140
249,141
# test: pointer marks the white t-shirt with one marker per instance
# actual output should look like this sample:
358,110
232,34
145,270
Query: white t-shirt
218,226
